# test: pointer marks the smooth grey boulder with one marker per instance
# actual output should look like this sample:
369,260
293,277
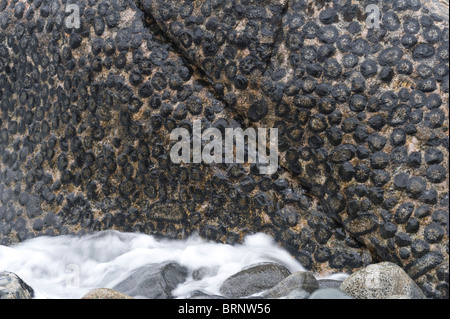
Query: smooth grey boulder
381,281
153,281
13,287
254,279
300,280
330,293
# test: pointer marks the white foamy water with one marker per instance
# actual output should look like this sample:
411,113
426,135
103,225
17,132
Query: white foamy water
71,266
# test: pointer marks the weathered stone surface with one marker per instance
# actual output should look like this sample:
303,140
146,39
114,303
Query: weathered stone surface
105,293
300,280
381,281
253,279
154,281
13,287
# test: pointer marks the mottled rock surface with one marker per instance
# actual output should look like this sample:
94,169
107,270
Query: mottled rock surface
13,287
362,115
381,281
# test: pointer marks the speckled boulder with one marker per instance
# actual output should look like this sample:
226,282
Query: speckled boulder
381,281
13,287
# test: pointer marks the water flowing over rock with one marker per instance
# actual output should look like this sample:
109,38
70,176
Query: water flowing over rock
89,99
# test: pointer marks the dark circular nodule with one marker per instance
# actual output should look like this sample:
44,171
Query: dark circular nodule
391,21
369,68
436,173
402,240
419,248
423,51
390,57
434,233
388,230
258,111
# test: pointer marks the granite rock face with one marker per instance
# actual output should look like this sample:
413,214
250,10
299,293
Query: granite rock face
362,116
13,287
382,281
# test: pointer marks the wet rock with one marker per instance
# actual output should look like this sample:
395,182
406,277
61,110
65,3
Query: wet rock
105,293
153,281
330,293
254,279
13,287
381,281
300,280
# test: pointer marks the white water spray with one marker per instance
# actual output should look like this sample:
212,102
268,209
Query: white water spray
71,266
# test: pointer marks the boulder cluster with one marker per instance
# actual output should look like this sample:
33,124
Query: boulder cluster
260,281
